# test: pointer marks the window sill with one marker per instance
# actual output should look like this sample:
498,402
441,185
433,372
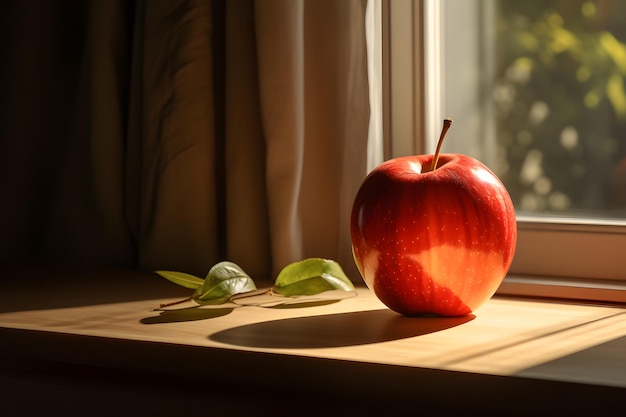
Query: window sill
526,355
560,288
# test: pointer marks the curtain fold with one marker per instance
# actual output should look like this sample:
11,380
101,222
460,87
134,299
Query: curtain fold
281,72
316,160
172,146
186,132
64,79
247,231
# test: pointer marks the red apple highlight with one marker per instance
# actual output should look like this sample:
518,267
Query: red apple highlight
433,241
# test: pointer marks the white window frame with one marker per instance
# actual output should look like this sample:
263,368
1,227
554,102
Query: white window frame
562,258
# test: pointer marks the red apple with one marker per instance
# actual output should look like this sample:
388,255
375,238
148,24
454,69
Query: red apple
433,241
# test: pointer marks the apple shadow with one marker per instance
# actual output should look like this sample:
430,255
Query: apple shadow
186,314
335,330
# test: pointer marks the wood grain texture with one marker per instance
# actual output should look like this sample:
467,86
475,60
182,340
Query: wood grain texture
504,337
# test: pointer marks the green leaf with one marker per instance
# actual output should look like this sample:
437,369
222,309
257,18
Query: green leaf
311,276
182,279
224,280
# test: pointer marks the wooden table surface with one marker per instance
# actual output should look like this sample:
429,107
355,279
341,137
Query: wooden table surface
108,320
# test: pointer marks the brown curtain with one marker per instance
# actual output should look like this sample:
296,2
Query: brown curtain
168,134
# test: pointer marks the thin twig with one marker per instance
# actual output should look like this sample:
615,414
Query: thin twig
175,302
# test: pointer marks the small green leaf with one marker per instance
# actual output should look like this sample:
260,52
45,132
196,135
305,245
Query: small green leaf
182,279
224,280
311,276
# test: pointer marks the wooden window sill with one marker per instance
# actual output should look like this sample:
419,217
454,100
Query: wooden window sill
97,333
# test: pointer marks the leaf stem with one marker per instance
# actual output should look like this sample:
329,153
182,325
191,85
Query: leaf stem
250,294
173,303
446,125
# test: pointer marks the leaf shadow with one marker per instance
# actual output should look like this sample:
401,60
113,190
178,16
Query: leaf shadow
302,304
187,314
199,312
335,330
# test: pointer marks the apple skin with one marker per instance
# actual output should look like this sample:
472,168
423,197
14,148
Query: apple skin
437,242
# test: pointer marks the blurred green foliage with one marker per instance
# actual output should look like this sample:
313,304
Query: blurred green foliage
561,104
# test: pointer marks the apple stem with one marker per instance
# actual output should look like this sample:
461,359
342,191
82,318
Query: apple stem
446,125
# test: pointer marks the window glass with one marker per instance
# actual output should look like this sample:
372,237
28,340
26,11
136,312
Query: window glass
551,83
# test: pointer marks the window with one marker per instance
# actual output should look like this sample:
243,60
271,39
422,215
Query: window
451,58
